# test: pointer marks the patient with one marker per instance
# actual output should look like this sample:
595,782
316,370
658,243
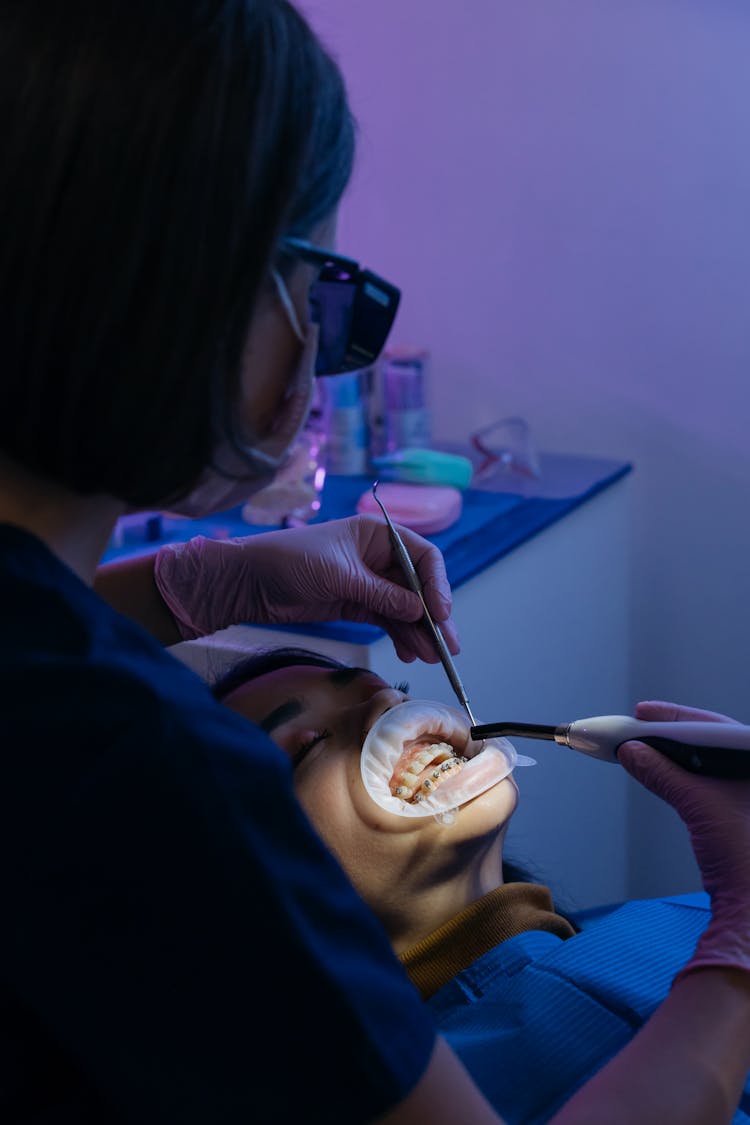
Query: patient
531,1003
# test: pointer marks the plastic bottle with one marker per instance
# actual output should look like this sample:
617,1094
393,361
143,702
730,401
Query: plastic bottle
407,421
348,444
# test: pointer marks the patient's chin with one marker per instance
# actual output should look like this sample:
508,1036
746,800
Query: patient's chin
490,812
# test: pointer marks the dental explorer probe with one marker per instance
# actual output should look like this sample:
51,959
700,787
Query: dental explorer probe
712,749
413,579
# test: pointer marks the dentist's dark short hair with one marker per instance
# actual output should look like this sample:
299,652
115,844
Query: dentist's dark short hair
153,153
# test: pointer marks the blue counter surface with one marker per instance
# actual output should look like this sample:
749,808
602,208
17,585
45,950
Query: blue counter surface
491,524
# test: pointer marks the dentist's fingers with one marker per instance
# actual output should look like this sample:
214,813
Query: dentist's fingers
430,567
657,710
413,641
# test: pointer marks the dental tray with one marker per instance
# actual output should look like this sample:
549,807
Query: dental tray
425,508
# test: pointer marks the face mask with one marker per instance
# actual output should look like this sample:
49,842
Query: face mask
216,492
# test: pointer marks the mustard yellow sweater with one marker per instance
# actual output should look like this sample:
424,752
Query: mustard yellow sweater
511,909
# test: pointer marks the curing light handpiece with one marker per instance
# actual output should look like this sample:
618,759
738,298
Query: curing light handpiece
713,749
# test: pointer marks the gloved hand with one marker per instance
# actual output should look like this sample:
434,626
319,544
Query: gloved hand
341,570
717,815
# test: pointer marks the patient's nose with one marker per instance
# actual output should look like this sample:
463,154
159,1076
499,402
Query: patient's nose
366,714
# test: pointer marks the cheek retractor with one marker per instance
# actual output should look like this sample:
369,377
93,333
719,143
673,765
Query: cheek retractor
419,759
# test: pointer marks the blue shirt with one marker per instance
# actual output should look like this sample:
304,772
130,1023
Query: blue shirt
535,1017
177,944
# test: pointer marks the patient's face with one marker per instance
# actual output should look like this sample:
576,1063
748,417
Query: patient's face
320,718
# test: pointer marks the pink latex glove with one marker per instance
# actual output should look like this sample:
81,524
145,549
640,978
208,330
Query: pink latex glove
717,815
341,570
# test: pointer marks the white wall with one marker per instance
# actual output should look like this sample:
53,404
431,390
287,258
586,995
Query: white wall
562,189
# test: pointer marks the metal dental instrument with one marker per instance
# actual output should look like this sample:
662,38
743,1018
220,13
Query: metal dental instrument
712,749
413,579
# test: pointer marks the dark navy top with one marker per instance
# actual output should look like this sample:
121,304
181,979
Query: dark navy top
176,944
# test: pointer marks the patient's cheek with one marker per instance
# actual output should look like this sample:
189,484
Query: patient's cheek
325,793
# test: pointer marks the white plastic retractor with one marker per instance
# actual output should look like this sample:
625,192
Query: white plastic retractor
418,725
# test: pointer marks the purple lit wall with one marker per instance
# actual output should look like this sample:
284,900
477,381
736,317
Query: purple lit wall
562,188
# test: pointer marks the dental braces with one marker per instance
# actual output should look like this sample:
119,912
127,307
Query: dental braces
427,784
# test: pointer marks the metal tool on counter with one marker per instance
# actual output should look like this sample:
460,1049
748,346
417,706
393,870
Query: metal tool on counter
413,579
712,749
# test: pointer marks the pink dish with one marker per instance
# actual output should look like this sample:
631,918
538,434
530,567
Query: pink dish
426,508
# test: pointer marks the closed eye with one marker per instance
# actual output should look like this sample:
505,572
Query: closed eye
301,753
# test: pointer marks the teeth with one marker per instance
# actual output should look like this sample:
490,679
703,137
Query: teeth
438,752
441,750
412,785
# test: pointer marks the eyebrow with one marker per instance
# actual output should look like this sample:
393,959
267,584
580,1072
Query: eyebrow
288,710
340,677
291,708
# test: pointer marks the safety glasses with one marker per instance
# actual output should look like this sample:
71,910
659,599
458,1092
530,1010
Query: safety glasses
354,309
